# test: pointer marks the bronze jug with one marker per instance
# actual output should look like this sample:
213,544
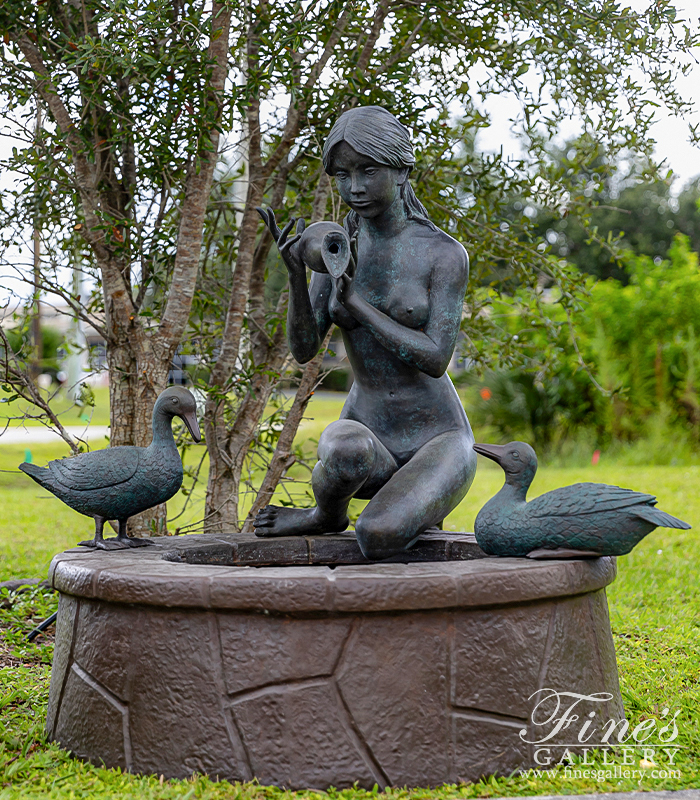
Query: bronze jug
325,247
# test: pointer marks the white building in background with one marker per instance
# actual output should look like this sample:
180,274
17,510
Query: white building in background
85,355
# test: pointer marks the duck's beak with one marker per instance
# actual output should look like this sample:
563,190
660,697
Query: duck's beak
190,419
493,451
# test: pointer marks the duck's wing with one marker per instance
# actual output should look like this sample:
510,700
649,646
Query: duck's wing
96,470
586,498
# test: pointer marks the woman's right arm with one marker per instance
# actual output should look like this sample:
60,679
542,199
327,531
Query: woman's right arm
308,317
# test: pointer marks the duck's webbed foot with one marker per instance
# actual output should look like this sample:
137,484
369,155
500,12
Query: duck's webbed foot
128,541
103,544
110,544
284,521
99,543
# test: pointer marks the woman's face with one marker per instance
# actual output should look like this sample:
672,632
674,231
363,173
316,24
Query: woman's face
368,188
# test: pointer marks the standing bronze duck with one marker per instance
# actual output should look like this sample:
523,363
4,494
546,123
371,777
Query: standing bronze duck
119,482
585,519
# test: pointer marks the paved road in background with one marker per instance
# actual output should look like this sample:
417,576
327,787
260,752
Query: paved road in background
41,435
38,434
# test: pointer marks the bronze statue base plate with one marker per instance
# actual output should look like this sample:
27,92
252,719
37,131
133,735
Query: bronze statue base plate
334,549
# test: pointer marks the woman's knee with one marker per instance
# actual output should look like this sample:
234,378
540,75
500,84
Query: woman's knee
345,448
379,538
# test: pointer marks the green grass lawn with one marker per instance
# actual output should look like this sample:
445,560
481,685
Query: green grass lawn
67,411
654,605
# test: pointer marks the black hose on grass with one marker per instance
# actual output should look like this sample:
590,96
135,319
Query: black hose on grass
42,627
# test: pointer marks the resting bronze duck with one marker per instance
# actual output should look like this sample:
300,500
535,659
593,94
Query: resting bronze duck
119,482
585,519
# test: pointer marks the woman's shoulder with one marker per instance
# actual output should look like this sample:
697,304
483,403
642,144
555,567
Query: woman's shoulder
444,250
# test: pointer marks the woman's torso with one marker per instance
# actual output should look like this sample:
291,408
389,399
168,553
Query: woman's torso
403,406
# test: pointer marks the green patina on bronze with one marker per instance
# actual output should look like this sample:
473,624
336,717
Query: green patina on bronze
403,440
585,519
122,481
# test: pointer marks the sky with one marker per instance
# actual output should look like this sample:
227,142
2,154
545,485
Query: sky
671,133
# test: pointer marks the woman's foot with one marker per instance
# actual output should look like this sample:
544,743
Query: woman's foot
285,521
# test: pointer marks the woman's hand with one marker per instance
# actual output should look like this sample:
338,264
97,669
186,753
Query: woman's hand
345,285
287,249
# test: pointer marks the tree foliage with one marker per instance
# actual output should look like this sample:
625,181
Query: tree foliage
632,213
139,94
639,339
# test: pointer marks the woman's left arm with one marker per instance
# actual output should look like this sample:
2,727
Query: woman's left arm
429,348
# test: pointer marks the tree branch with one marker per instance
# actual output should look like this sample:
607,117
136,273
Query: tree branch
197,190
85,175
282,458
16,377
380,15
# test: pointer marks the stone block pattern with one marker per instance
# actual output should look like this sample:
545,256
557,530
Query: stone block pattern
416,698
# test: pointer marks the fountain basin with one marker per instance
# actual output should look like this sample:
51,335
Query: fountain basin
313,675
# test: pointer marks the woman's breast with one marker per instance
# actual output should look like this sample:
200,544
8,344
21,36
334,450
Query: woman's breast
340,315
409,308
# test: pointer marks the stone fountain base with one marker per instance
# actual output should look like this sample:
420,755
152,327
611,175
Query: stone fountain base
174,659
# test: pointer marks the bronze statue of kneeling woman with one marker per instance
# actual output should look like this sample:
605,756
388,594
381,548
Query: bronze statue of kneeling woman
403,440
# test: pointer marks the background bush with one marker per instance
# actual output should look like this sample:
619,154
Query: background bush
637,341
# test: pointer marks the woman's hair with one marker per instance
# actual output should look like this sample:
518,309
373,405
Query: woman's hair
375,133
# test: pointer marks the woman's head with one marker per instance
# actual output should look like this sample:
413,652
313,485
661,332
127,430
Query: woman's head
376,134
373,132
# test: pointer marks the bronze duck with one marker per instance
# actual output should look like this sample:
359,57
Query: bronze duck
585,519
119,482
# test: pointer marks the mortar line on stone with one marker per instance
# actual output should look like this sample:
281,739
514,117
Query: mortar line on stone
131,669
341,650
126,734
98,686
249,762
595,636
355,735
547,648
451,661
69,664
594,628
93,581
260,691
206,592
451,690
454,776
113,700
226,710
477,714
546,656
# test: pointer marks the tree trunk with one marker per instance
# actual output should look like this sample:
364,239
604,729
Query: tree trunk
136,380
221,506
221,514
283,459
230,445
228,450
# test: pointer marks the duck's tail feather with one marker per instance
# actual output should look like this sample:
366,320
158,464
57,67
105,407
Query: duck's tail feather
659,518
39,474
